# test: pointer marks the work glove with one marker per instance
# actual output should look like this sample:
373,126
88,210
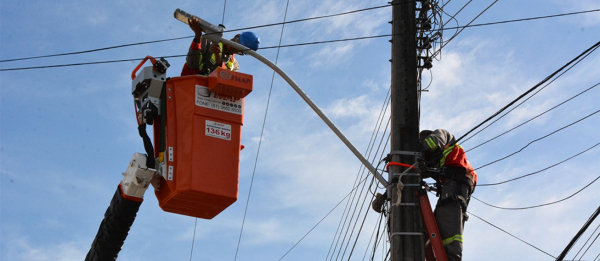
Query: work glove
378,202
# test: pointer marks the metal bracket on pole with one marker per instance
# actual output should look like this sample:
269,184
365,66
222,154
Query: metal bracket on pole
407,234
400,152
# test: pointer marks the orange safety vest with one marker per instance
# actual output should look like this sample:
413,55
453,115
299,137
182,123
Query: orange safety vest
455,156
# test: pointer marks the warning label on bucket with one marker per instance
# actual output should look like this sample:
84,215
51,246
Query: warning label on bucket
208,99
218,130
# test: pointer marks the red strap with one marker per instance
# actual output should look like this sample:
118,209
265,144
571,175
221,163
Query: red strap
398,164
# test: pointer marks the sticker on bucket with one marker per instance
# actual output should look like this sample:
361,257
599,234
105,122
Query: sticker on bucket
208,99
218,130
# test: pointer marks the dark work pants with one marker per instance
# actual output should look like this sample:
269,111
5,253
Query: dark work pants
450,215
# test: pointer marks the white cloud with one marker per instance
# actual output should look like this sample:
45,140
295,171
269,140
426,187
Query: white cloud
20,248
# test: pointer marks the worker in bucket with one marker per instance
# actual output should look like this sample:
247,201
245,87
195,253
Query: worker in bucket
455,181
204,55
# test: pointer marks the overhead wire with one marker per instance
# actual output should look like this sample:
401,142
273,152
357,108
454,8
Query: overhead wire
537,116
370,186
184,37
533,173
541,205
261,132
375,236
582,255
511,234
370,147
223,19
575,238
451,38
593,47
584,244
347,229
254,27
183,55
326,215
193,238
536,140
539,90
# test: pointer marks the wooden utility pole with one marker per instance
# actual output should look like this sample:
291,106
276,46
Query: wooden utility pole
406,222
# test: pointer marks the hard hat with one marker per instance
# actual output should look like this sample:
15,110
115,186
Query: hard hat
250,40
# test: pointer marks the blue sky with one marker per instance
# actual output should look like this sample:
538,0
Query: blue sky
66,134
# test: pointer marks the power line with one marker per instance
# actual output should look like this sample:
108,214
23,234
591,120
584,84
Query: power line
538,139
535,93
584,244
193,238
525,19
441,47
223,19
361,171
179,38
261,132
274,24
510,234
183,55
536,206
576,237
175,56
347,195
530,90
520,177
556,106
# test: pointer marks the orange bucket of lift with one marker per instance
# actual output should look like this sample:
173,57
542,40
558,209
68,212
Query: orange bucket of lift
203,143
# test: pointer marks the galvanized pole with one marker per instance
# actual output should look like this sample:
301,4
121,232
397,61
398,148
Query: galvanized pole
406,222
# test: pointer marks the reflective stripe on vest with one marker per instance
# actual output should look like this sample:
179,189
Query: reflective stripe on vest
448,241
431,144
446,152
213,60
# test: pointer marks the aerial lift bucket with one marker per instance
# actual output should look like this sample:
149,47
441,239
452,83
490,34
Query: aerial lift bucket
197,137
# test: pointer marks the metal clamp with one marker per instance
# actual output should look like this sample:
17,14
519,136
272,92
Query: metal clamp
407,234
401,152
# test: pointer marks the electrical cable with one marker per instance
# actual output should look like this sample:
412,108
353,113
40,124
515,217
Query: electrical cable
524,19
584,244
356,206
538,139
193,239
582,255
576,237
362,224
223,20
184,37
261,132
541,205
374,235
370,147
453,17
546,85
510,234
298,242
556,106
174,56
447,42
520,177
267,25
530,90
